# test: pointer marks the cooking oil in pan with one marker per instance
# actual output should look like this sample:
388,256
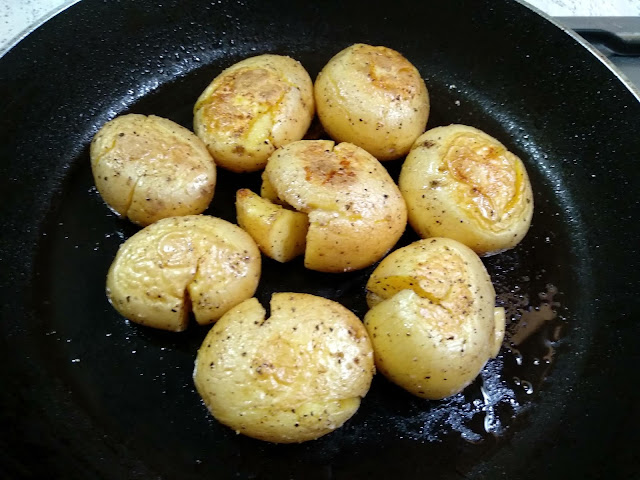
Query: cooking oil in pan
507,385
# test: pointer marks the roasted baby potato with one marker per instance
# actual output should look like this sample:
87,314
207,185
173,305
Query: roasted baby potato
280,233
252,108
432,319
461,183
356,212
148,168
177,264
292,377
372,97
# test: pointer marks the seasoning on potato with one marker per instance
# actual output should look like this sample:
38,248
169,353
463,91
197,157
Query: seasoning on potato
432,319
355,211
372,97
252,108
178,264
294,376
148,168
461,183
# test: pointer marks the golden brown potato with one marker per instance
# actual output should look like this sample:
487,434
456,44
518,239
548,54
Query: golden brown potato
148,168
292,377
279,233
252,108
356,212
372,97
193,262
432,320
461,183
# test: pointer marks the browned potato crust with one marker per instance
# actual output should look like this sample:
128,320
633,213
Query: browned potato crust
461,183
253,107
372,97
356,212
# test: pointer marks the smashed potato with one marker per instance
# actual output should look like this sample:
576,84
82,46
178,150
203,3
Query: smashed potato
461,183
280,233
292,377
356,212
177,264
432,319
252,108
372,97
148,168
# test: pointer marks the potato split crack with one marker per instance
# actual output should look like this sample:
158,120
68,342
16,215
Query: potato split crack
355,211
294,375
432,319
180,264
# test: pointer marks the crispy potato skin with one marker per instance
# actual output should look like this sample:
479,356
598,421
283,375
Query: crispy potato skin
432,319
252,108
180,263
292,377
372,97
149,168
356,212
461,183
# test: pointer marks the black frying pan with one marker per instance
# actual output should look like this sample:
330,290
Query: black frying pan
84,394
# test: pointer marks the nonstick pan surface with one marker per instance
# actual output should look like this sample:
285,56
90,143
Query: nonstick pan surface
85,394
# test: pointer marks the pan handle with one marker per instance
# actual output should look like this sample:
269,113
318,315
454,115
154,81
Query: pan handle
621,35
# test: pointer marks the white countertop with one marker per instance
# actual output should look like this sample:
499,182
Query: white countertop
17,17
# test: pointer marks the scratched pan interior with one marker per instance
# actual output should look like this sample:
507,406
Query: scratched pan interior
87,395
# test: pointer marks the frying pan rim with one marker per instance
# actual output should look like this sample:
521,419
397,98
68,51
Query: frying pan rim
16,39
635,91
